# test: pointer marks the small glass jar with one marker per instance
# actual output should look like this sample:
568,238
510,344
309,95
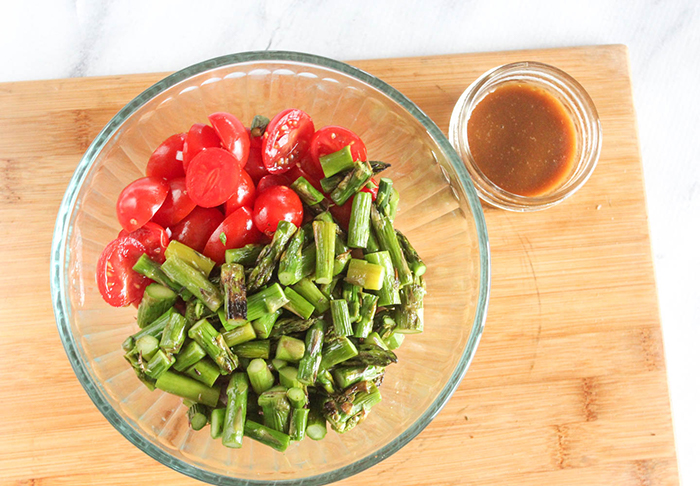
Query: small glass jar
577,104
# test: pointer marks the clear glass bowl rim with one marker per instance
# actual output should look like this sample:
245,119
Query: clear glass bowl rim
62,235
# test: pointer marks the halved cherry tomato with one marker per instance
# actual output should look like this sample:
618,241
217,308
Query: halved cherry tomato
199,137
244,195
139,201
371,187
195,230
176,206
233,135
154,239
164,162
277,203
254,166
238,230
331,139
212,177
271,180
342,213
118,283
286,140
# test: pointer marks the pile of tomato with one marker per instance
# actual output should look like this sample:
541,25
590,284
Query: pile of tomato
217,187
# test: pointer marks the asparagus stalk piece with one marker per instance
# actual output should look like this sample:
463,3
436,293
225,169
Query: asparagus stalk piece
316,422
189,256
384,324
325,379
395,340
236,409
307,193
158,364
309,291
346,376
311,361
351,293
197,415
147,346
174,334
253,349
337,162
386,237
378,166
351,183
393,205
266,301
190,353
185,387
258,126
265,435
270,255
289,377
364,274
414,260
340,262
245,256
239,335
290,349
297,423
290,267
363,327
290,326
384,195
389,292
147,267
235,303
276,409
213,343
260,376
204,371
263,326
191,278
374,338
328,289
336,351
324,236
409,315
216,422
157,299
330,183
297,304
308,261
372,244
358,227
195,311
297,397
372,355
341,318
278,364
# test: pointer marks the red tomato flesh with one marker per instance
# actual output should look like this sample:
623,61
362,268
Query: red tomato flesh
330,139
139,201
272,180
212,177
277,203
165,163
117,282
233,135
199,137
238,230
196,228
254,166
286,140
244,195
176,206
154,239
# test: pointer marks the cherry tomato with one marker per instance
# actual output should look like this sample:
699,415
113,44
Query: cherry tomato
254,166
277,203
139,201
331,139
212,177
153,238
286,140
238,230
300,170
233,135
271,180
176,206
342,213
196,228
165,162
371,187
117,282
244,195
199,137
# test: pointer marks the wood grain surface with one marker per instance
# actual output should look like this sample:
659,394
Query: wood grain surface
568,386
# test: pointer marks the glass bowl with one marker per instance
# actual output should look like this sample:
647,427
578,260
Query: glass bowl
576,102
439,211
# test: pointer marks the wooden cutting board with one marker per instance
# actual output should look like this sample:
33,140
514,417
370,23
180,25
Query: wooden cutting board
568,386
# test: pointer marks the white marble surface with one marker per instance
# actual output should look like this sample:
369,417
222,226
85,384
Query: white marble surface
64,38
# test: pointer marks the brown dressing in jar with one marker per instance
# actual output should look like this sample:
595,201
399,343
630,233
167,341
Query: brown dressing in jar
522,139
